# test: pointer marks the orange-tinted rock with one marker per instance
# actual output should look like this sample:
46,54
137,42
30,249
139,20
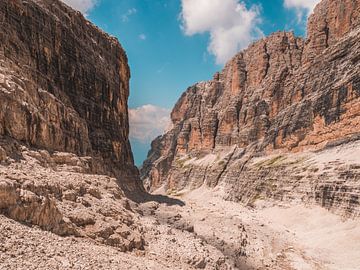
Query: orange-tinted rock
282,94
330,21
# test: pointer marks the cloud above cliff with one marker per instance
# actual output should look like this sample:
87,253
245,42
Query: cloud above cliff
84,6
147,122
302,7
126,16
232,26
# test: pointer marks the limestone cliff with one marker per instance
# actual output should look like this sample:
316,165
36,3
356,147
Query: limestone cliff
282,95
65,157
64,85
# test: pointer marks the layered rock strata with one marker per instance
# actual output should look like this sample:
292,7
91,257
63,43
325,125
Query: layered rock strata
57,192
65,157
283,94
64,85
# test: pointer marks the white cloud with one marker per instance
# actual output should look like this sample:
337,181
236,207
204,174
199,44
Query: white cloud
142,36
148,121
306,4
302,7
232,26
127,14
84,6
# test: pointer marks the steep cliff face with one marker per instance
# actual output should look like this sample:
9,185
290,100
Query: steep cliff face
64,85
65,157
281,95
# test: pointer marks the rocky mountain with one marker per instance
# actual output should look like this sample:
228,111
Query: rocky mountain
278,126
261,128
64,85
70,195
66,161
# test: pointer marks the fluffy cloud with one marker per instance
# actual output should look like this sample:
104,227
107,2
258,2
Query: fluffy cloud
125,17
302,6
148,121
232,26
84,6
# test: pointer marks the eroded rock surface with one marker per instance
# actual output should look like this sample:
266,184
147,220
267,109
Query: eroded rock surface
66,167
65,157
64,85
56,193
283,94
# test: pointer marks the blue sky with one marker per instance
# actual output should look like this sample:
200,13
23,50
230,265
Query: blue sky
172,44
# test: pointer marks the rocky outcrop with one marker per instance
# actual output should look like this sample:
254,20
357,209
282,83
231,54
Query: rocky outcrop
65,156
281,95
330,21
56,192
64,85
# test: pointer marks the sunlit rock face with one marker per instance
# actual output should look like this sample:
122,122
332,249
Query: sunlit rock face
64,84
282,95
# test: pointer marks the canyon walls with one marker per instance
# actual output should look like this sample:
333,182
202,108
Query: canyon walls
64,85
66,164
281,95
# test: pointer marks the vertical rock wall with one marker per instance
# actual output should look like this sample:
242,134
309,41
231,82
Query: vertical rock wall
64,84
283,94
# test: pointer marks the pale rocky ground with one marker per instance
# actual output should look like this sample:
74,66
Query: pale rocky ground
273,234
197,230
279,236
226,236
201,231
44,195
54,214
26,248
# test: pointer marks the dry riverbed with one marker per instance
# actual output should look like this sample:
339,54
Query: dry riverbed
202,232
270,236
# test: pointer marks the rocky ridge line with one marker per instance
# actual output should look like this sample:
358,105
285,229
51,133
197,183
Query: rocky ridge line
283,94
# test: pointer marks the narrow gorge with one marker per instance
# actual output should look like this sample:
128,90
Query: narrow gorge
260,170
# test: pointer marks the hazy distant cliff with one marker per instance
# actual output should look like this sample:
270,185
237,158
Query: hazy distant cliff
283,94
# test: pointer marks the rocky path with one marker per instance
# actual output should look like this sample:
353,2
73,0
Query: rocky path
268,236
30,248
203,232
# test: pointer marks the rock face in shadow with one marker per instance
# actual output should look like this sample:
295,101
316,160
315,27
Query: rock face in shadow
64,85
65,158
282,94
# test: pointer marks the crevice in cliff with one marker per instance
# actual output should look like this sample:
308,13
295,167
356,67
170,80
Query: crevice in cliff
267,58
200,120
326,31
301,50
189,175
215,131
238,109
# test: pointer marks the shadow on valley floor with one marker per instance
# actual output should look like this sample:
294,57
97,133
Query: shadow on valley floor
144,197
